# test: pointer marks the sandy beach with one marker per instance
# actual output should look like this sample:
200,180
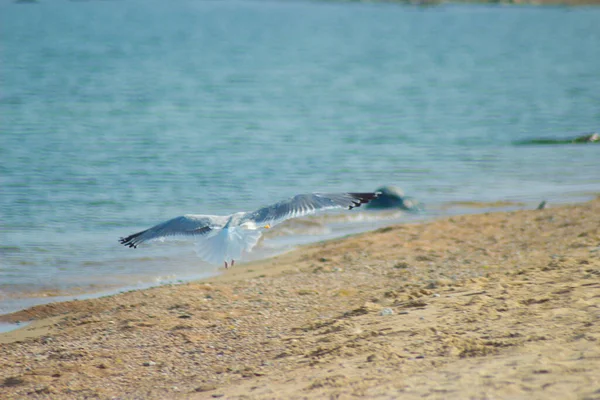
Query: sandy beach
497,305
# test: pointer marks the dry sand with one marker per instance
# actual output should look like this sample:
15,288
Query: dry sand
491,306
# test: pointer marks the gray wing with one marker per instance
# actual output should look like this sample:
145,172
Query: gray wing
305,204
186,225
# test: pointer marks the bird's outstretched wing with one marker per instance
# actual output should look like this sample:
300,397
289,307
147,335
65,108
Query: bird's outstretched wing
186,225
305,204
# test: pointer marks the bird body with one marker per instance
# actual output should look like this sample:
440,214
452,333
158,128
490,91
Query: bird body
226,238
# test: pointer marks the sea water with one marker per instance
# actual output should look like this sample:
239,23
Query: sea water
117,115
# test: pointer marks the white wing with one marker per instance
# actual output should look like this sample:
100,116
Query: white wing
186,225
305,204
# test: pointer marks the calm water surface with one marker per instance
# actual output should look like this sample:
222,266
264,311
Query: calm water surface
116,115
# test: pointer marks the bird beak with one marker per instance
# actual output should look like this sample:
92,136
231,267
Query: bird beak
267,226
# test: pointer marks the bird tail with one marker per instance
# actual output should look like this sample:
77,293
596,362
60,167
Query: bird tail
226,244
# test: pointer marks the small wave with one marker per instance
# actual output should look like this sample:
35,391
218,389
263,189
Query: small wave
16,291
583,139
25,262
365,216
318,225
482,204
9,250
98,203
297,227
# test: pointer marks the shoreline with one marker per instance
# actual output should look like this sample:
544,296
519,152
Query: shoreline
51,295
439,308
443,211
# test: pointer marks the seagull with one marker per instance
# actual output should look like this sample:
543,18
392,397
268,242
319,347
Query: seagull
223,238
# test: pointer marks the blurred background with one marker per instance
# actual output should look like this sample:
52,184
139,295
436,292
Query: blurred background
117,115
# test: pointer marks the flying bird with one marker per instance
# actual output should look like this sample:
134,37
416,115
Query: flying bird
223,239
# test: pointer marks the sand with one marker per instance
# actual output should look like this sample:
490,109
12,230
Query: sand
494,306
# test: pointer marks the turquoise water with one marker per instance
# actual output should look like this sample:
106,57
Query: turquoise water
116,115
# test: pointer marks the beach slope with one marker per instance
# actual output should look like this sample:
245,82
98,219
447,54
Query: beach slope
497,305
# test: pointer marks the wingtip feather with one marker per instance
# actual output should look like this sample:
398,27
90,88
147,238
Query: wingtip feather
130,241
362,198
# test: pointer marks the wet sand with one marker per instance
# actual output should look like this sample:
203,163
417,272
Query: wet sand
496,305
